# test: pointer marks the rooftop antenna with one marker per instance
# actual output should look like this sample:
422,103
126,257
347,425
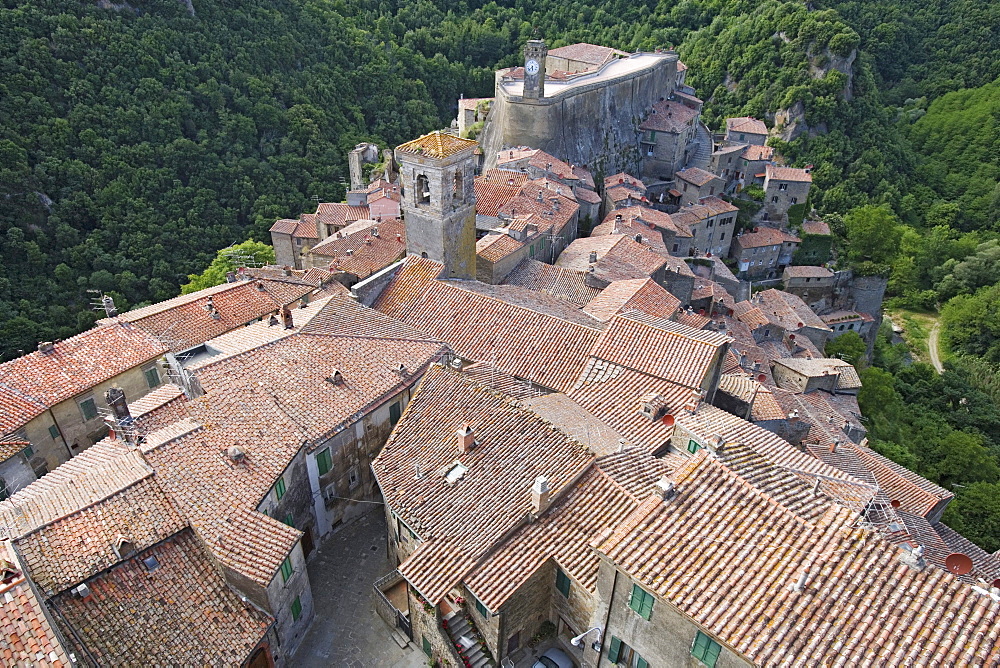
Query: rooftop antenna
102,302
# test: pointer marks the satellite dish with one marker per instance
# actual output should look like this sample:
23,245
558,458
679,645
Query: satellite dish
958,563
668,420
895,503
761,378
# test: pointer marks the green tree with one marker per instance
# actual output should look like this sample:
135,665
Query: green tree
849,347
229,259
873,237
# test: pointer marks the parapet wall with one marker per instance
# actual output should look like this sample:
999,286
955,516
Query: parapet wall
591,120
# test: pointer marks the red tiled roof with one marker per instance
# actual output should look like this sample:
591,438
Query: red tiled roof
815,227
512,447
365,251
587,195
472,102
618,257
669,116
776,173
556,281
804,271
623,178
788,310
765,236
754,153
495,188
587,53
553,165
639,294
340,214
183,614
746,124
27,636
285,226
495,247
437,145
696,176
39,380
586,178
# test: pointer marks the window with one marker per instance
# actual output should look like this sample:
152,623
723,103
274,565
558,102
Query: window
531,251
324,461
685,187
641,600
296,609
774,199
782,186
742,137
427,645
795,200
705,649
711,223
767,333
693,446
88,408
152,376
722,236
562,582
54,432
279,488
28,452
764,217
621,654
480,608
286,569
674,249
395,410
423,192
353,477
289,519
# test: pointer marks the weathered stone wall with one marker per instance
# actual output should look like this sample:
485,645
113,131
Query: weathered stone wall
524,612
595,125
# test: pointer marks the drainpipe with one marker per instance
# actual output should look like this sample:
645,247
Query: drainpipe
607,617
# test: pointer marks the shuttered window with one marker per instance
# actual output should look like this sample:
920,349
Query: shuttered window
562,582
641,601
705,649
324,461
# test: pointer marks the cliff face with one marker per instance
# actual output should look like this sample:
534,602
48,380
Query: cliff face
792,120
593,124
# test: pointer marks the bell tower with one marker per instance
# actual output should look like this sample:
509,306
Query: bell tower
534,69
439,203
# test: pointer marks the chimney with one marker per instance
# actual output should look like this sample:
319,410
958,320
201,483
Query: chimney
286,317
273,320
286,270
46,347
540,198
209,304
666,489
793,416
336,378
540,495
913,556
230,277
260,287
115,398
466,438
236,454
593,257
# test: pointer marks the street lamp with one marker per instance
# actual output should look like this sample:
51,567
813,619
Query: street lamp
596,645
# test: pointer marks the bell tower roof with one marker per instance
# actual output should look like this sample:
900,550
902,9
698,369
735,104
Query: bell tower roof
437,145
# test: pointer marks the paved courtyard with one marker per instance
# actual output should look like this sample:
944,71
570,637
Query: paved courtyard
346,631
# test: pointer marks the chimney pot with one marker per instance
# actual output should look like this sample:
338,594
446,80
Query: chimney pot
46,347
593,257
540,495
466,438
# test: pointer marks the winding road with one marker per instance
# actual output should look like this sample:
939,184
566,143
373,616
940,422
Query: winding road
932,347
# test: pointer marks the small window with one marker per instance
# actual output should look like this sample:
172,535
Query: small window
28,452
395,411
151,563
795,200
324,461
693,446
296,609
88,408
711,223
289,519
53,432
353,477
774,199
706,650
722,236
742,137
562,582
641,601
764,217
427,645
152,376
674,249
685,187
286,569
531,251
767,333
279,488
782,186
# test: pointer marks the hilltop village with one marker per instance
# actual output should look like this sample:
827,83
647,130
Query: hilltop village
577,362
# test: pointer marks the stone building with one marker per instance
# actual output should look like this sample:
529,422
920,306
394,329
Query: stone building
472,110
764,251
753,162
695,183
439,203
53,400
581,57
746,130
711,222
648,226
784,187
807,375
666,136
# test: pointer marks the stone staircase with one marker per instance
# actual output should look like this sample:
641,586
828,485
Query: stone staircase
467,640
703,148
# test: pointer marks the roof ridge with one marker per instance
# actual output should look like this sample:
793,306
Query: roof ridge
453,285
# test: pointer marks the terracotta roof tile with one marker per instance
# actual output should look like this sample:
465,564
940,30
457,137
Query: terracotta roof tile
495,247
788,310
28,637
437,145
556,281
803,271
512,448
746,124
366,251
669,116
183,613
815,227
754,152
619,257
339,214
39,380
777,173
588,53
640,294
495,187
622,178
696,176
284,226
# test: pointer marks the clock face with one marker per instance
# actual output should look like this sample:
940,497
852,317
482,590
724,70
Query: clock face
531,67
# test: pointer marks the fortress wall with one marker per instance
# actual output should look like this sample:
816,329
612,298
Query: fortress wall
592,124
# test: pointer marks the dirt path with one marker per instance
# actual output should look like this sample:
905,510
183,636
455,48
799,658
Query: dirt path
932,347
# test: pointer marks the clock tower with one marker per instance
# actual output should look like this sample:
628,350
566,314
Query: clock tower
534,69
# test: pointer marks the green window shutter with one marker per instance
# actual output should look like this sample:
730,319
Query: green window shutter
28,452
89,409
427,646
562,582
531,251
286,569
395,411
646,609
706,650
693,446
614,649
480,608
290,519
641,663
279,488
324,461
152,377
54,432
296,609
635,600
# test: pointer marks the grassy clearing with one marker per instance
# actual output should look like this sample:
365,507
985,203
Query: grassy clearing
917,327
